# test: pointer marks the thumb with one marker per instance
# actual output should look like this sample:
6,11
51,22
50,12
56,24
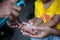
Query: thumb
30,22
39,28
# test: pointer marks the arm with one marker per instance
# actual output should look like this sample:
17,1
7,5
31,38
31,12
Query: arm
53,22
56,32
37,21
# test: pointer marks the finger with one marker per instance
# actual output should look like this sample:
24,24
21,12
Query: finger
15,13
33,36
22,31
39,28
16,26
23,28
19,27
34,19
21,24
24,23
12,1
26,29
44,28
30,22
12,26
17,8
9,24
34,32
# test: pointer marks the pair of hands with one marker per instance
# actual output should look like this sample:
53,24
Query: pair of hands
9,7
35,32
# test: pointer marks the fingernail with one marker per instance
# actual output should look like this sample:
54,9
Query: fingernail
35,27
19,27
31,23
22,28
16,26
25,34
21,31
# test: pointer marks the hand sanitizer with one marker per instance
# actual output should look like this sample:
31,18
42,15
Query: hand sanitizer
20,2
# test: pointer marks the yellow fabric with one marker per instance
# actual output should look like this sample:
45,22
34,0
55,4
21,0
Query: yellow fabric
47,14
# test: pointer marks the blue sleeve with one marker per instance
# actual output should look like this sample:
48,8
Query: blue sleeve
3,21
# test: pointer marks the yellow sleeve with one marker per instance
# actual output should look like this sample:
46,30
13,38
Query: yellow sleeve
58,12
38,9
58,8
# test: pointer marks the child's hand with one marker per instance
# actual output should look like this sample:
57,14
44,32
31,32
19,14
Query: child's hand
29,27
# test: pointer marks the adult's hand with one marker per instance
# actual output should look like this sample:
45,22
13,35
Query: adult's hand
8,7
45,31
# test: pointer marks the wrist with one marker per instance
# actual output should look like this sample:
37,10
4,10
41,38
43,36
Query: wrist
52,31
55,32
